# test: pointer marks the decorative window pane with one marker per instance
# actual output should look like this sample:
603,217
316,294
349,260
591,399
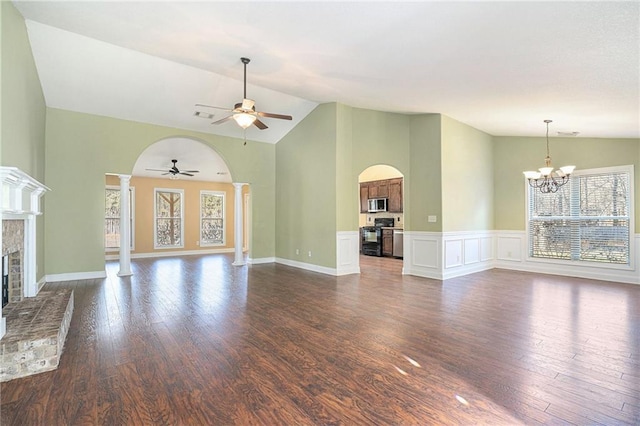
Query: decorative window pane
168,218
586,220
212,205
112,217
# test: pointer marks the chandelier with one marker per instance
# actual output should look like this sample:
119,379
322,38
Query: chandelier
547,180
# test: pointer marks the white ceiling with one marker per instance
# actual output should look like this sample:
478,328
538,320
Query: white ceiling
501,67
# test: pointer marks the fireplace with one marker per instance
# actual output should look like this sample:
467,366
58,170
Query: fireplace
20,206
12,260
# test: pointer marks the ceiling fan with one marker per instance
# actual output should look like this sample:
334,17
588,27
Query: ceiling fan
244,113
173,171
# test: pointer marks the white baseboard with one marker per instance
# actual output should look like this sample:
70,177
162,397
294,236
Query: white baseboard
261,260
307,266
72,276
171,253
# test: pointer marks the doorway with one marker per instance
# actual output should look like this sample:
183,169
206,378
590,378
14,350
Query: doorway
381,218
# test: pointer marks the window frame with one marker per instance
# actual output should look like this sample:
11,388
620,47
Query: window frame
132,208
630,266
155,217
224,218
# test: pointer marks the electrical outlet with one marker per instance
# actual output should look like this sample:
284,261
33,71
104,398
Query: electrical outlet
432,218
297,251
309,253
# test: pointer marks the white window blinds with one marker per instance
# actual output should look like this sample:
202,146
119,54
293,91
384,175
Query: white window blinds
586,220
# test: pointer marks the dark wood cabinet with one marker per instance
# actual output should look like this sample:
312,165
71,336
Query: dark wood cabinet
364,197
387,242
390,189
379,189
395,195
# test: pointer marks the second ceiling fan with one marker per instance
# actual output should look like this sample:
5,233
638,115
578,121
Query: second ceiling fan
244,113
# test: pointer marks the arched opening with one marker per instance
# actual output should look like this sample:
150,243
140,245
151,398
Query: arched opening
381,217
181,199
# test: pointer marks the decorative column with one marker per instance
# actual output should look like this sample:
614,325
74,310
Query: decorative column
237,224
125,227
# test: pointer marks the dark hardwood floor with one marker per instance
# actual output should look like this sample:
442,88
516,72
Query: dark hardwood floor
195,340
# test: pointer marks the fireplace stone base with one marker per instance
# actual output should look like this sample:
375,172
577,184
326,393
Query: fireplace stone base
36,331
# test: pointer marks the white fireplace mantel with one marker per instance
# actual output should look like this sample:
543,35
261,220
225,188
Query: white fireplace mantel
21,200
20,192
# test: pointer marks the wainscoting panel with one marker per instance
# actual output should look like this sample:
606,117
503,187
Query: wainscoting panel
453,253
423,254
467,252
472,251
511,246
347,252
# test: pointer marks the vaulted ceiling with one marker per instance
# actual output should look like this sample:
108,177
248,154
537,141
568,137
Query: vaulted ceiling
501,67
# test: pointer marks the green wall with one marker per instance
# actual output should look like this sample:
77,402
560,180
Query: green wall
81,148
467,177
306,190
513,155
377,138
347,187
423,186
23,112
318,164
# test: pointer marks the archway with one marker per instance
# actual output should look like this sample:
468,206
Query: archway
381,215
178,208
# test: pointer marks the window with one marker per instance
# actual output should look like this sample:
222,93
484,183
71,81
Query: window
169,216
589,219
112,217
212,218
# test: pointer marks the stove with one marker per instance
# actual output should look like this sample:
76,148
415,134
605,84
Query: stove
371,236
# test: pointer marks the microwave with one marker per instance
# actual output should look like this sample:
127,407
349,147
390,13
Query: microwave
377,205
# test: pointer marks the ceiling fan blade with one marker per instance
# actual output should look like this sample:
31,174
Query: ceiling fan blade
260,125
191,171
211,106
248,104
223,120
166,173
271,115
157,170
185,173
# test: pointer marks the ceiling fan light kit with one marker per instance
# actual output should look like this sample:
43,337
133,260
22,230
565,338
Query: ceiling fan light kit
244,120
545,179
244,113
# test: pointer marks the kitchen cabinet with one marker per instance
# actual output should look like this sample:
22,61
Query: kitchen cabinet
395,195
390,189
364,197
379,189
387,242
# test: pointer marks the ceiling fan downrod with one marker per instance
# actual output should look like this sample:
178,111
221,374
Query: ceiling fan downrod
245,61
